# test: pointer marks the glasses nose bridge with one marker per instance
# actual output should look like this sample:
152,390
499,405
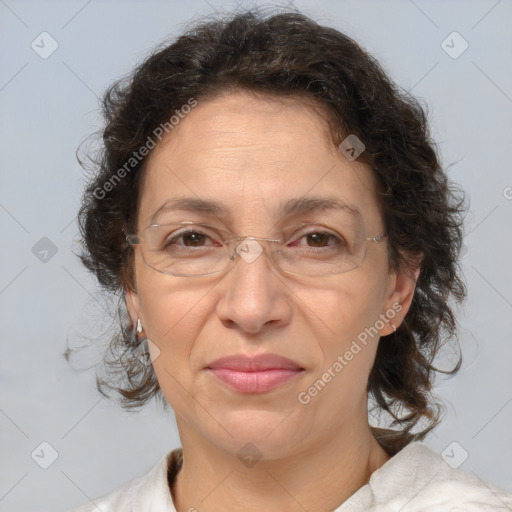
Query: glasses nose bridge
249,248
259,238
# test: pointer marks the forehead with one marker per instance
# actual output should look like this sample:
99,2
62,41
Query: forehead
253,155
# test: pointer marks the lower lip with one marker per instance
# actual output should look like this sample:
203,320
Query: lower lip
254,382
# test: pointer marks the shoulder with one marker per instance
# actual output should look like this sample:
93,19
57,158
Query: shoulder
148,490
117,500
417,479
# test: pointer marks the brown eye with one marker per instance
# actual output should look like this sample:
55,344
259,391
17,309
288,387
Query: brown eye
188,239
318,239
193,239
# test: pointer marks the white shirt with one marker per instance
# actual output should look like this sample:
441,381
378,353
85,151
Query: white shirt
416,479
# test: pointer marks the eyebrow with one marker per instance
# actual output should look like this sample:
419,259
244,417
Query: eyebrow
292,207
191,204
312,204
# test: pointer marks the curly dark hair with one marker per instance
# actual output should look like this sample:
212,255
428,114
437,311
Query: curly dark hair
288,54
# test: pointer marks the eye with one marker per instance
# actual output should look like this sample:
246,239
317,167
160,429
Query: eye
318,239
188,238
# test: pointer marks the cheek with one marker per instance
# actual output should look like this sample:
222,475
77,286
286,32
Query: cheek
174,311
165,301
342,308
347,345
346,313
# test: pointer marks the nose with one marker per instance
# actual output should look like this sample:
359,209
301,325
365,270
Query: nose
254,295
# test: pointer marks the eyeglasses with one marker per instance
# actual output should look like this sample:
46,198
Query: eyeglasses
188,249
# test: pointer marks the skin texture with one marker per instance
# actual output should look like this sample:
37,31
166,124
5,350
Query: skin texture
252,153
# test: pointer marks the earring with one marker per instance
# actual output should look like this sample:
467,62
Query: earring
393,325
142,349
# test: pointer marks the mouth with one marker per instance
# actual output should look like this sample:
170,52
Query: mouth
254,382
257,374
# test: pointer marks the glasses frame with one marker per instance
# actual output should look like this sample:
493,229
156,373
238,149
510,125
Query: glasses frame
134,240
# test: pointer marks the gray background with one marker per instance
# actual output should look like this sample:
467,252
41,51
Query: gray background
49,105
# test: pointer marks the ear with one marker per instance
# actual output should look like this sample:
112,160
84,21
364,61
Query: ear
399,295
132,305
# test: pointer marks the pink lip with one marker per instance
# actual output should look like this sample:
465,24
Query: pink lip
254,374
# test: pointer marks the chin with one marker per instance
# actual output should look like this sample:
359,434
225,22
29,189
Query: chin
271,434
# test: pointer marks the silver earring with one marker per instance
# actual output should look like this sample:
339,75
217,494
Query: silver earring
393,325
139,325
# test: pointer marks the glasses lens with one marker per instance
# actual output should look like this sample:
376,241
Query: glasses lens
318,250
308,249
184,250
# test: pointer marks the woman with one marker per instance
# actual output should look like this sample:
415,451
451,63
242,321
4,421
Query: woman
274,214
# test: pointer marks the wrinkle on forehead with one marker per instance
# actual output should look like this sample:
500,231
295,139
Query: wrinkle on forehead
250,146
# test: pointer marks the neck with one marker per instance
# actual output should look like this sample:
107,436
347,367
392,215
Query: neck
317,479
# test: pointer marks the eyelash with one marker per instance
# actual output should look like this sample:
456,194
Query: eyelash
179,235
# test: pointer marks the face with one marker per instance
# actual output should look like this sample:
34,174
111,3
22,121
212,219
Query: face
251,156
